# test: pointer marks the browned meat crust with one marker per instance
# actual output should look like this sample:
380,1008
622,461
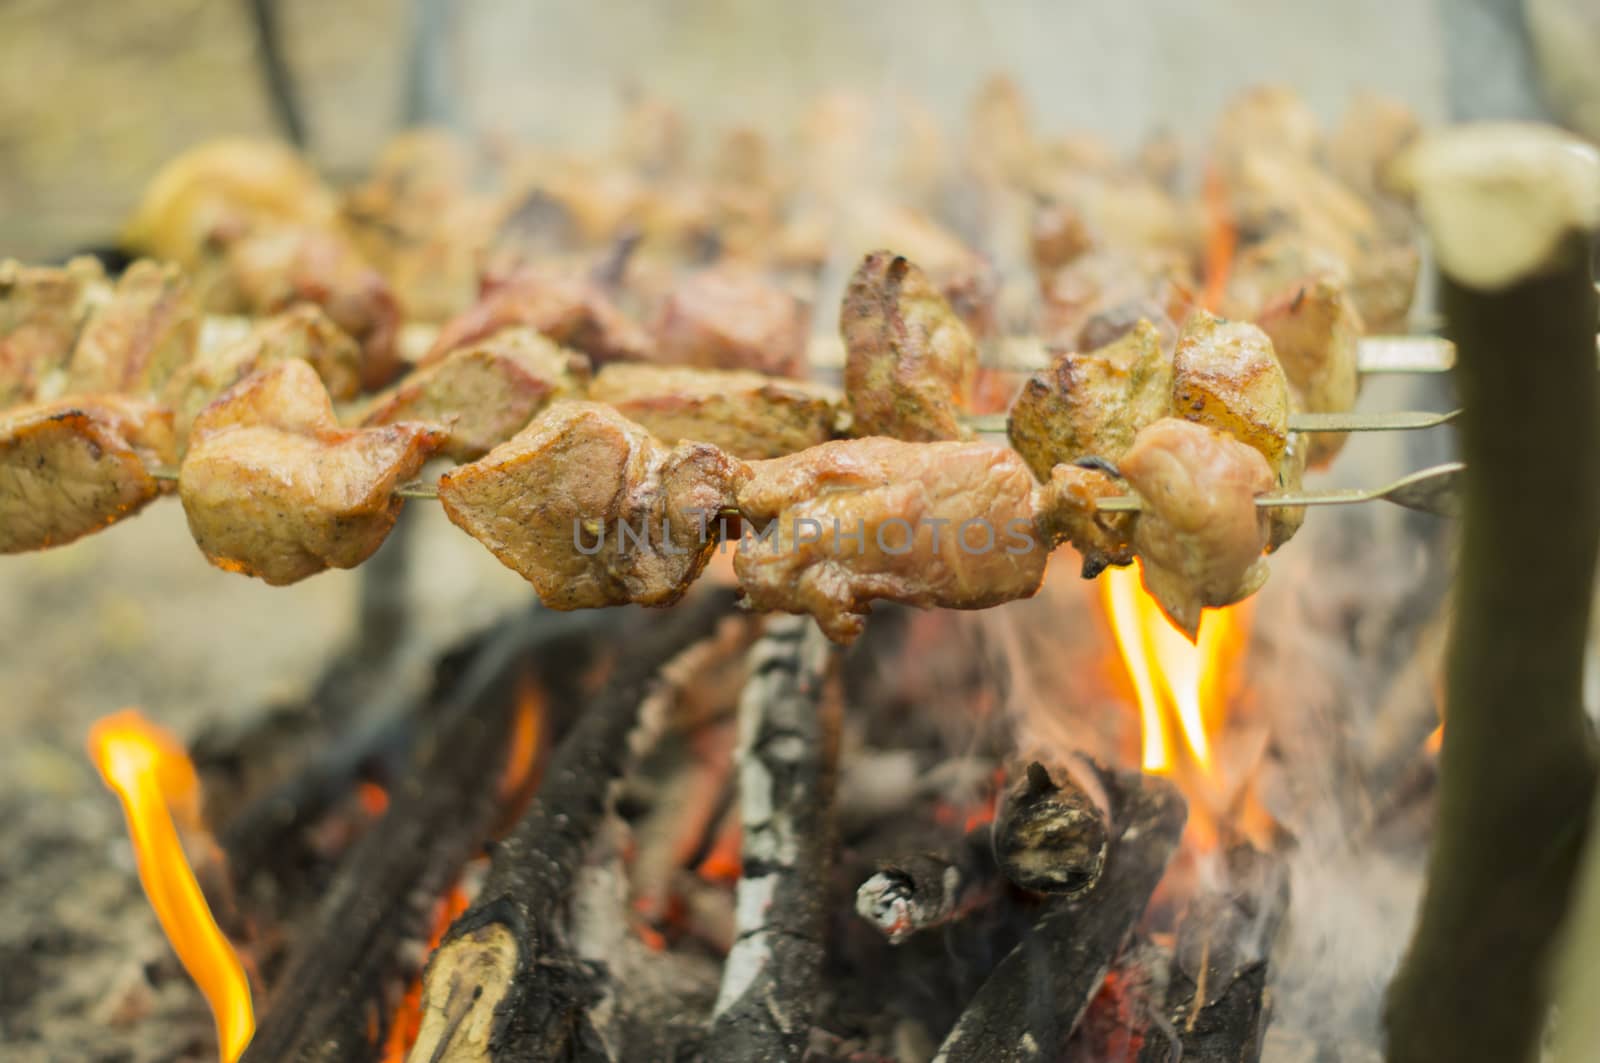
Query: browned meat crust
1092,405
274,269
910,362
275,489
946,524
303,332
74,466
570,310
592,511
41,310
1316,334
484,393
747,414
1200,535
145,332
1097,297
729,318
1225,375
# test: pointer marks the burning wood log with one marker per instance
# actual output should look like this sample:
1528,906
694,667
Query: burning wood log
1050,832
1036,995
926,889
1512,211
441,813
1216,996
504,984
787,742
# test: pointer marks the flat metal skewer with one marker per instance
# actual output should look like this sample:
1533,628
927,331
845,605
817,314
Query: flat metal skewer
1379,421
1435,490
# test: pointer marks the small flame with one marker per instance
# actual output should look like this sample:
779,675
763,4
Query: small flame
1434,741
150,773
408,1016
1179,685
527,722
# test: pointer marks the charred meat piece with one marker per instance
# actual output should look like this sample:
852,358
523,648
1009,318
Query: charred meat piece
1099,296
41,310
910,362
570,310
274,269
1316,335
1092,405
729,318
746,414
1200,535
946,524
1225,375
301,333
592,511
74,466
275,489
484,393
146,331
1069,512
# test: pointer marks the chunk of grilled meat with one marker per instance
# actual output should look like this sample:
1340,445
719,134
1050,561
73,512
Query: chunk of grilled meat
303,332
747,414
275,489
1225,375
947,524
569,309
1200,534
1267,117
1069,512
910,362
592,511
1098,297
1381,282
730,318
222,189
1316,335
486,392
41,310
273,269
1091,405
74,466
146,331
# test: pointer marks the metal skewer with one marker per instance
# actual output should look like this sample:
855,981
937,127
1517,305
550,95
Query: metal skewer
1433,490
1381,421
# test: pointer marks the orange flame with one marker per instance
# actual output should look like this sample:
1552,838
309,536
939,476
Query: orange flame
1222,238
150,773
1179,685
527,722
408,1016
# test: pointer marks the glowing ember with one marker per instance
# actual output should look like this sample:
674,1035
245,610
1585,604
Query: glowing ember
1179,685
150,773
408,1016
526,725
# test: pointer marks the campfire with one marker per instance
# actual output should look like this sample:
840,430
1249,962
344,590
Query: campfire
994,606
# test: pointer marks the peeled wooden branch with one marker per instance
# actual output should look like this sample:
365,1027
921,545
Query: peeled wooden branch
504,984
773,974
1511,211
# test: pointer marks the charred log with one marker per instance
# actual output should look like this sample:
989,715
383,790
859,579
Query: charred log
773,975
1035,997
1050,830
330,996
505,984
926,889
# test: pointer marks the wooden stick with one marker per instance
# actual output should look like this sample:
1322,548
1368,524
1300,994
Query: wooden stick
1036,995
773,975
1511,211
504,985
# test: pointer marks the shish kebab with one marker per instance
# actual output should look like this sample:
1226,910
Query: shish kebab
230,540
